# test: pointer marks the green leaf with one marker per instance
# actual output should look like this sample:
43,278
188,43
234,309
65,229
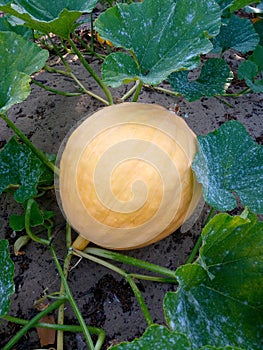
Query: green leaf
19,58
230,6
7,24
256,57
214,79
7,286
239,4
229,163
259,29
37,217
220,297
58,17
18,166
249,70
208,347
238,34
156,337
162,37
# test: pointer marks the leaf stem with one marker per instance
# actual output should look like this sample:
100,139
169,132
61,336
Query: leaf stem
137,91
72,300
26,141
198,243
163,90
65,328
32,323
91,71
126,276
131,91
60,334
108,254
28,225
55,91
88,48
69,73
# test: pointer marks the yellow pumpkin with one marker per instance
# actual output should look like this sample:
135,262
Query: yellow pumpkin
125,175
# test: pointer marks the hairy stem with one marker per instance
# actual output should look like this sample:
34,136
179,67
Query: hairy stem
28,225
69,73
60,334
91,72
104,253
55,91
126,276
32,323
137,91
72,301
58,327
26,141
131,91
198,243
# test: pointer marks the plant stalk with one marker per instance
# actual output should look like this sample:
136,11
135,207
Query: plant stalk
55,91
32,323
26,141
104,253
126,276
64,328
131,91
198,243
91,71
137,91
28,226
72,301
61,313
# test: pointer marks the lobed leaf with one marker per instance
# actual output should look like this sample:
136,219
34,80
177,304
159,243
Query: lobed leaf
58,17
157,337
161,36
238,34
233,5
230,163
214,79
220,297
18,166
7,286
37,217
19,58
8,24
251,69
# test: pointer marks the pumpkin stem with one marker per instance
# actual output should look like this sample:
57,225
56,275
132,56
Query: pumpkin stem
80,243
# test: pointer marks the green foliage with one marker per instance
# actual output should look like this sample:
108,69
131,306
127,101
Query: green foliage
20,167
55,17
157,41
236,33
7,286
252,69
11,24
157,337
229,6
229,163
37,217
214,79
220,297
19,58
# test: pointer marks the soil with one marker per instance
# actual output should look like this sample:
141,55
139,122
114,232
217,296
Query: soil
103,296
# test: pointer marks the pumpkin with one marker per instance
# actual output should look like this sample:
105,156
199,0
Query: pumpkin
125,176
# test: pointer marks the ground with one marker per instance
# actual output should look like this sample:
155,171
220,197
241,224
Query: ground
105,299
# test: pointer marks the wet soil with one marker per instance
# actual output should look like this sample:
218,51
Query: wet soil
103,296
